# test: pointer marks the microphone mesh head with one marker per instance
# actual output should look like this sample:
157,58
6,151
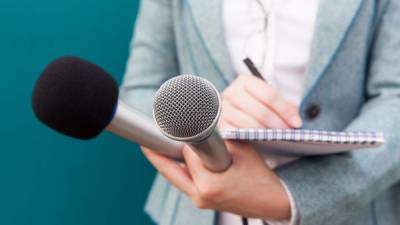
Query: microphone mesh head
186,106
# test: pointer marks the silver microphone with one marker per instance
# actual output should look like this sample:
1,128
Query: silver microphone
187,108
135,126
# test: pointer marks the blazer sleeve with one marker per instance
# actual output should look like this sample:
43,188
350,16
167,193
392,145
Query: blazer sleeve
153,55
334,188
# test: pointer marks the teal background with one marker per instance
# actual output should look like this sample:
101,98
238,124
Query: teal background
46,178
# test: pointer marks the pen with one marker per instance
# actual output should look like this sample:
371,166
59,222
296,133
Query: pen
253,68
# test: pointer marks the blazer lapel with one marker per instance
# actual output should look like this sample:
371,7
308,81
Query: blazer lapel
208,19
331,28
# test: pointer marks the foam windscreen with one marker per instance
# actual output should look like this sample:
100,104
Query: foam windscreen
75,97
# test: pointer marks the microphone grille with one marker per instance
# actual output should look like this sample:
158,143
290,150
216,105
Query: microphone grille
186,106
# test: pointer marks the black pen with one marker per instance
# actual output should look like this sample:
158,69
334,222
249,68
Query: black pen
253,69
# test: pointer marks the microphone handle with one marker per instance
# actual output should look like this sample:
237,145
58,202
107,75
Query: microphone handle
213,152
137,127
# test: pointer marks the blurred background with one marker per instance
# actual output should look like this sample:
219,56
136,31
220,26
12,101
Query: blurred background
47,178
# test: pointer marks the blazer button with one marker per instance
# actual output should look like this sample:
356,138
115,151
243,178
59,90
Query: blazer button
312,111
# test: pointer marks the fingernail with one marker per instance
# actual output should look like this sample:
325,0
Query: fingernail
296,121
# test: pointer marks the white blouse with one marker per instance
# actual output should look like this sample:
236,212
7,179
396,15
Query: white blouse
281,52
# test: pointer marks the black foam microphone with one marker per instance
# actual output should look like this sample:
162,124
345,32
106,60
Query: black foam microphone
79,99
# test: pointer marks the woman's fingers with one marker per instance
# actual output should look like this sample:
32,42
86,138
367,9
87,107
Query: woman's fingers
208,186
256,109
195,165
270,97
225,125
237,118
172,171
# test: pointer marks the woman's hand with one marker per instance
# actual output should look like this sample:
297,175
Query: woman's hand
251,102
248,188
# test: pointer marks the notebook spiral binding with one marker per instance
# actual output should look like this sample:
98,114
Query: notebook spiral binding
304,135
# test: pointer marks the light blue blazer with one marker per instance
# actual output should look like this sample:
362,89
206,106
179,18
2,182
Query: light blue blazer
353,75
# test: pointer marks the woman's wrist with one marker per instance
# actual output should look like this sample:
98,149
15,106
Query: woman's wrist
294,212
279,202
270,198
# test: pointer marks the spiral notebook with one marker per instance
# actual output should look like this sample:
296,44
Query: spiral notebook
300,142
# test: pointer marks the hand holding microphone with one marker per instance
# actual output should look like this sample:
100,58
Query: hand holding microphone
247,187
